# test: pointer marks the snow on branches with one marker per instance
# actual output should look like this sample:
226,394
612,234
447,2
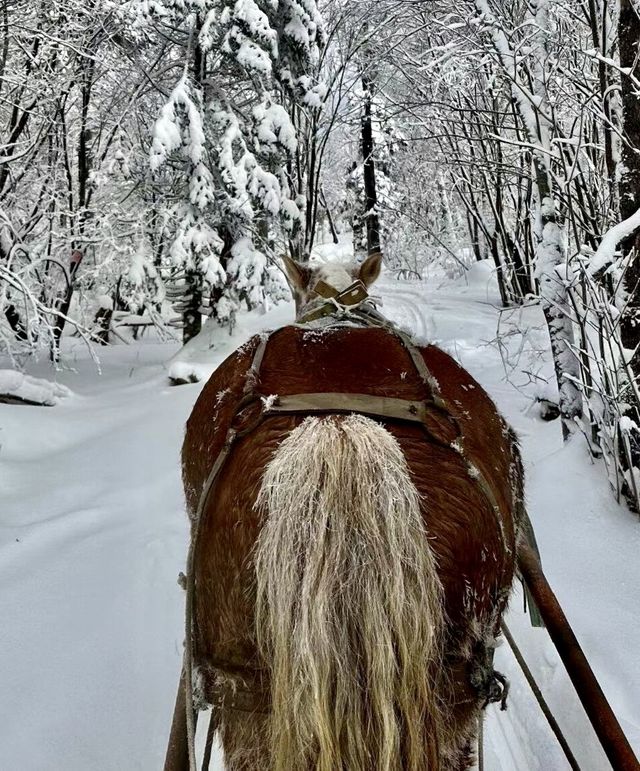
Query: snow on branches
174,131
228,121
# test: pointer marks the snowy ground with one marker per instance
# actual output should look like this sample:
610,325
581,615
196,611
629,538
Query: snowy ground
93,535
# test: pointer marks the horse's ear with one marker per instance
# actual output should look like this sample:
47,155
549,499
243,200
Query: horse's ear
370,268
298,275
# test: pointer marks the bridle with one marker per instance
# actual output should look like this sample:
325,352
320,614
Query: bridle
336,301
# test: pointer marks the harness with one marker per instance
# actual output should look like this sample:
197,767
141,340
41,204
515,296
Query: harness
351,305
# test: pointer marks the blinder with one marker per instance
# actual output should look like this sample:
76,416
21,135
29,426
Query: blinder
351,297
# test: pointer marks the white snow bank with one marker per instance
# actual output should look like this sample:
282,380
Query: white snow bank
478,280
480,273
182,372
197,360
32,390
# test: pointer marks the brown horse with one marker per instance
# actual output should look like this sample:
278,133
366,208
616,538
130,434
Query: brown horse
356,505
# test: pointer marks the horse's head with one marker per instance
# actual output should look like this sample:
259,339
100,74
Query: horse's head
310,284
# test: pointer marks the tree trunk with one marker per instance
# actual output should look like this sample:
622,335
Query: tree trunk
598,18
551,266
332,227
191,303
370,194
15,322
62,305
629,198
103,321
629,37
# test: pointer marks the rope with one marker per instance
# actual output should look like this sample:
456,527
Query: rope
553,724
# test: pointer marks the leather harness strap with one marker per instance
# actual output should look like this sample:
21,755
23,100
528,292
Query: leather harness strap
458,445
232,435
437,422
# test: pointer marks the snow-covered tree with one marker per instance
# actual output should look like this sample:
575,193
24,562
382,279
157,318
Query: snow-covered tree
228,124
529,80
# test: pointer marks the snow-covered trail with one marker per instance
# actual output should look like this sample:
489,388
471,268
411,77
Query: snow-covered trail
93,535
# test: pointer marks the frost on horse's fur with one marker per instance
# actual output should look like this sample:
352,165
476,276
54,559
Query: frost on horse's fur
349,604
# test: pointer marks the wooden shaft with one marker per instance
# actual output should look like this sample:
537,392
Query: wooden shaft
177,758
604,722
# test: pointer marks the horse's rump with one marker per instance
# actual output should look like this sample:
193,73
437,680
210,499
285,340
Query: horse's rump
473,544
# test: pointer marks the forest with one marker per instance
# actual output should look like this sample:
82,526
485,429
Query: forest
161,160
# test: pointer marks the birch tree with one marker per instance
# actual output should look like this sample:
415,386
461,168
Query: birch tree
530,98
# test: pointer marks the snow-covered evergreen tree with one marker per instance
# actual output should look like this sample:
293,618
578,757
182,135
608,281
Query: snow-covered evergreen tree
228,123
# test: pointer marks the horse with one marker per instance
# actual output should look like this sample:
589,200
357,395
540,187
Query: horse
356,505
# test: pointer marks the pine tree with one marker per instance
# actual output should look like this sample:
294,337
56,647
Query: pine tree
228,121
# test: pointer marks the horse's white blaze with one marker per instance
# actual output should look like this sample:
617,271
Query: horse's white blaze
349,605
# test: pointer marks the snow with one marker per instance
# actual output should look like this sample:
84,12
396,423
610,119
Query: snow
181,372
274,125
315,97
605,254
247,266
252,57
166,132
206,37
247,13
94,534
627,424
32,389
105,302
